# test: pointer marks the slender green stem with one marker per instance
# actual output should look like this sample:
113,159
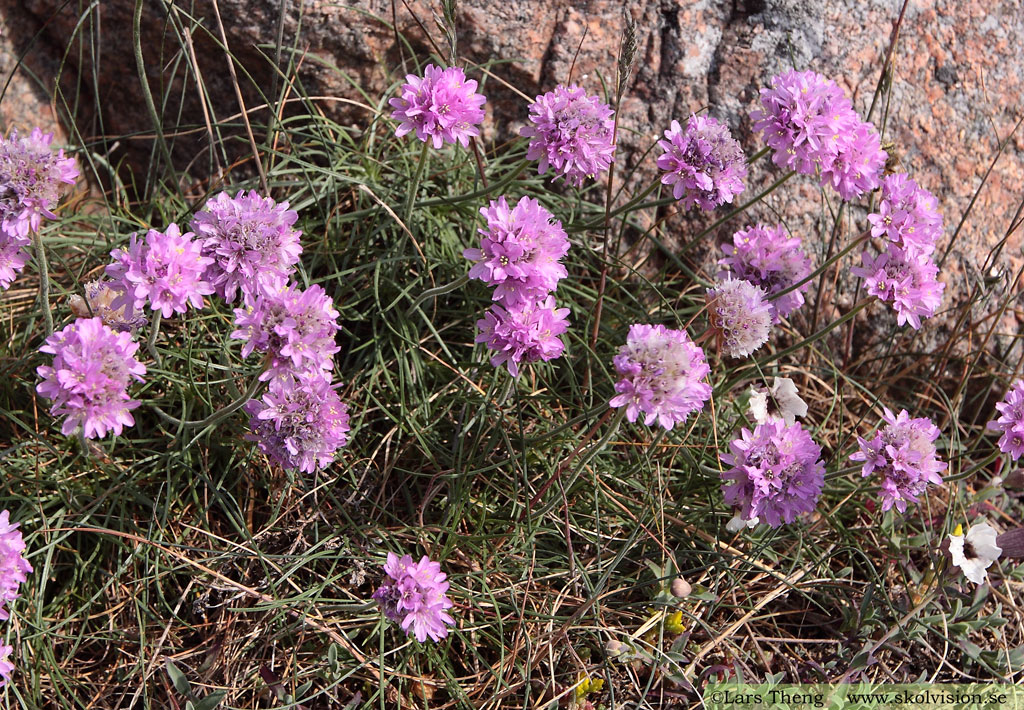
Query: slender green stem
147,95
220,414
154,331
821,269
415,186
44,282
438,291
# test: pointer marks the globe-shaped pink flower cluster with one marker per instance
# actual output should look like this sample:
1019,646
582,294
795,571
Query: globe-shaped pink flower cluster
14,569
704,164
776,473
31,179
903,453
442,106
771,259
662,374
414,595
1011,421
812,128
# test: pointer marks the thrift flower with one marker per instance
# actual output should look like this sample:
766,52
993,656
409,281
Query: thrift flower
166,269
768,257
907,215
295,327
739,315
442,107
812,128
571,132
904,454
704,164
88,381
31,177
1011,421
300,423
527,333
520,252
905,279
250,240
779,402
414,595
776,473
663,375
975,552
13,565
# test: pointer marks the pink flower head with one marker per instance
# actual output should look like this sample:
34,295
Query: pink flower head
812,127
704,164
300,423
165,270
905,279
1011,421
442,107
88,381
527,333
907,216
768,257
739,315
295,327
663,375
904,454
520,252
250,240
776,472
31,176
572,133
857,166
14,568
414,595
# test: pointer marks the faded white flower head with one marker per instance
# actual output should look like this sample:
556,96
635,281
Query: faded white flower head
779,402
738,523
974,552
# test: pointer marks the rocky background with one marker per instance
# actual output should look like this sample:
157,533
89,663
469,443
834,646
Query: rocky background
957,80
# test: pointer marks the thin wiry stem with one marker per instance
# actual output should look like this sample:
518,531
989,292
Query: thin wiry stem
44,282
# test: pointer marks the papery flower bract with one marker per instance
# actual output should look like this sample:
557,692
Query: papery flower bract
520,251
907,215
903,453
776,473
768,257
528,333
165,269
1011,421
6,667
975,552
295,327
739,315
13,565
663,375
442,106
905,279
88,381
250,240
572,133
737,522
300,422
31,176
107,300
780,402
414,595
704,164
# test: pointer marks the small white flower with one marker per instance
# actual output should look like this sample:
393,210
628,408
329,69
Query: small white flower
781,401
975,552
738,523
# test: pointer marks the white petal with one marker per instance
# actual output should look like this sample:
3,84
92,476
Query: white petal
759,406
